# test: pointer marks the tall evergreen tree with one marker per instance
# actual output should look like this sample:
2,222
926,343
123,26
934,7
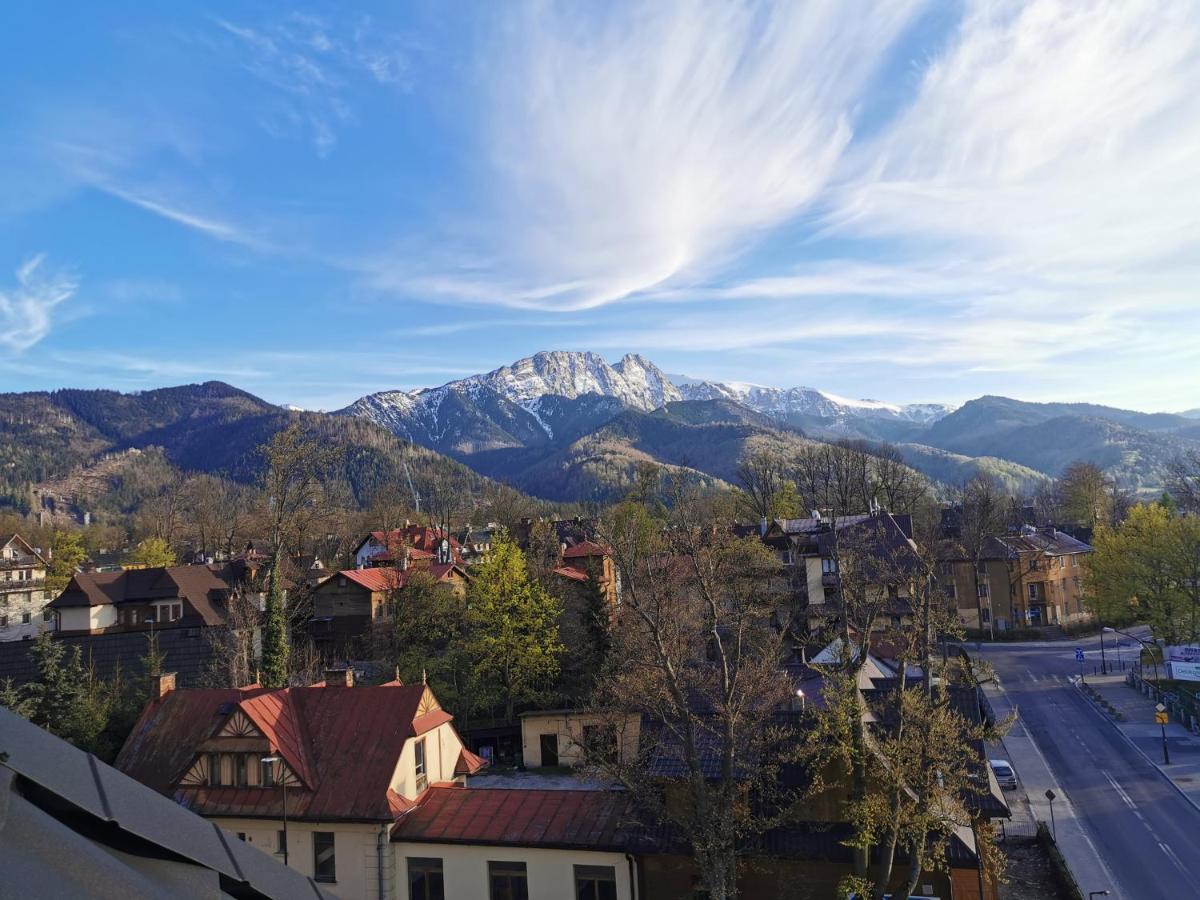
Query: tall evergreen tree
276,641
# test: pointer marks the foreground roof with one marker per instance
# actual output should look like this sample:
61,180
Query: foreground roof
342,742
69,819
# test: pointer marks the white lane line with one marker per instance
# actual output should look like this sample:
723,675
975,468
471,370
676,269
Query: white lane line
1121,792
1175,859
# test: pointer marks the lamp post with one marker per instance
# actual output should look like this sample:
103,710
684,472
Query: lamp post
1050,795
273,761
1160,715
1103,661
800,694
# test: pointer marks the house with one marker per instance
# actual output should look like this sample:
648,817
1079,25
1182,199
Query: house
1030,577
813,549
351,603
557,737
23,613
511,843
349,761
69,823
136,599
379,548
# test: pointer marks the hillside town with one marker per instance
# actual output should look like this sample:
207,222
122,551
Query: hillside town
682,691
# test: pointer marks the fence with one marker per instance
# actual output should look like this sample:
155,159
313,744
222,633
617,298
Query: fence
1008,831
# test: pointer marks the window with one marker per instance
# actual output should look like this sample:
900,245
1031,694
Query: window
549,747
24,618
951,590
419,765
595,883
266,773
987,615
1034,593
48,615
983,592
324,868
239,770
280,841
829,566
425,881
3,621
214,769
1033,564
507,881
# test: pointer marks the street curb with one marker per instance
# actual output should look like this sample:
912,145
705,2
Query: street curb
1132,743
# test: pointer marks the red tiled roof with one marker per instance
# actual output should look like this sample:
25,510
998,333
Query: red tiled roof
585,548
420,537
343,742
468,763
573,574
387,579
595,820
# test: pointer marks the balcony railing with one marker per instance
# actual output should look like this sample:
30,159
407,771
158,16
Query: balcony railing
829,580
14,585
21,562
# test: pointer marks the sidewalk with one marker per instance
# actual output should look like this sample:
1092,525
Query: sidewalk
1137,724
1035,778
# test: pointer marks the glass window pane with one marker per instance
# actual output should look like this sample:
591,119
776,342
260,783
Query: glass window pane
324,868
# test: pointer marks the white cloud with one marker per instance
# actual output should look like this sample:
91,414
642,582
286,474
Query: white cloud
26,311
652,145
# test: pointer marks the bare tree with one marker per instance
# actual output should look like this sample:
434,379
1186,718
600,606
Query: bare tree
761,474
981,517
700,666
898,486
1183,480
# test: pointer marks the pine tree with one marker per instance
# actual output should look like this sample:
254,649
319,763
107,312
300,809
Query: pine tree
512,629
276,642
597,620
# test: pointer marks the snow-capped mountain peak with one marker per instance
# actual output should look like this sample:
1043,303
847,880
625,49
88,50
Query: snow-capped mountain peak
633,380
806,401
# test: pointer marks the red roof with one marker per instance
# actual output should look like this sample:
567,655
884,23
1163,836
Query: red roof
468,763
573,574
342,742
387,579
594,820
419,537
585,548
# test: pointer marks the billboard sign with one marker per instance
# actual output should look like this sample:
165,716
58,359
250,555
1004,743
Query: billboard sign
1183,662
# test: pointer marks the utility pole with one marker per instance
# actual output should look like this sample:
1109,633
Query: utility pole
1103,661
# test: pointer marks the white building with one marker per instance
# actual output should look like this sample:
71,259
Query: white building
23,597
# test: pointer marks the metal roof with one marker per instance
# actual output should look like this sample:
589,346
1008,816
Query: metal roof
86,810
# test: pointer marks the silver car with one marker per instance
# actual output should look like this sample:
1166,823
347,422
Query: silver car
1005,776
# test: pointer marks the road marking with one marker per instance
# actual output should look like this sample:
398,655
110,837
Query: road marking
1121,792
1175,859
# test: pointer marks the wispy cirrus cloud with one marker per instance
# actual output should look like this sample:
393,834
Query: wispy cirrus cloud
313,64
27,310
654,144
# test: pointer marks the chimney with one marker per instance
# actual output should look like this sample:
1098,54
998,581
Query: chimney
339,677
162,684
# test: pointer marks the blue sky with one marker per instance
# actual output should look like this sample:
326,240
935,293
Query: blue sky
910,201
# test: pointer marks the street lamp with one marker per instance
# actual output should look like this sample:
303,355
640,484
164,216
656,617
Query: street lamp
800,694
1103,661
1050,795
273,761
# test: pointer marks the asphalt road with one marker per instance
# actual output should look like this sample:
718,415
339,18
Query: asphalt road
1144,830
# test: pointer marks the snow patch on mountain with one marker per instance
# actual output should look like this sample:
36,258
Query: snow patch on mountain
806,401
633,380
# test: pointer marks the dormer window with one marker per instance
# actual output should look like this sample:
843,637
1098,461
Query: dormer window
266,775
419,765
214,770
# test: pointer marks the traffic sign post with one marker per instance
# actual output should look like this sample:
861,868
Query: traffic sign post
1050,795
1161,717
1079,659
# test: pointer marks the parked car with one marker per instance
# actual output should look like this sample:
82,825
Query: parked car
1005,776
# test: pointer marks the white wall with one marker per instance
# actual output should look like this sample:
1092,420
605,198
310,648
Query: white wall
551,872
442,747
355,854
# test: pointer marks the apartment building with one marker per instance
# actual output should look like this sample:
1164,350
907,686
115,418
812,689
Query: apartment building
23,597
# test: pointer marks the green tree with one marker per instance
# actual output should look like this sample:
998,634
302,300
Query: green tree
430,622
1085,494
512,629
66,699
68,554
153,553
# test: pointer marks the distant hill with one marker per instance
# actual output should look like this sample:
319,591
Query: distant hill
49,438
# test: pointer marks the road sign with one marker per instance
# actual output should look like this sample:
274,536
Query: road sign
1161,718
1159,707
1078,654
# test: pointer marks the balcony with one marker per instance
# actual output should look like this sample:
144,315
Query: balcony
32,584
830,580
21,562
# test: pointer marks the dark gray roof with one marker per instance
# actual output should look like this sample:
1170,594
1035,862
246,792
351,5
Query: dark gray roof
188,653
71,826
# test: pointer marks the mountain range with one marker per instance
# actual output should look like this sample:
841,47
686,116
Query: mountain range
565,425
562,426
